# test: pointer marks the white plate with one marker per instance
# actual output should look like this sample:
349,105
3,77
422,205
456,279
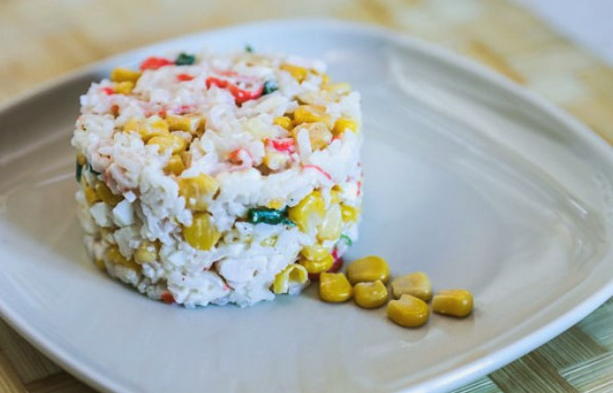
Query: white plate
469,178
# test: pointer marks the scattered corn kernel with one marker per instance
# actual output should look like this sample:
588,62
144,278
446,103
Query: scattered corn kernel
319,265
299,73
196,189
283,121
334,287
343,124
325,79
350,213
202,234
415,284
124,75
454,302
308,210
370,294
332,224
106,195
123,87
408,311
145,253
370,268
173,142
293,273
175,165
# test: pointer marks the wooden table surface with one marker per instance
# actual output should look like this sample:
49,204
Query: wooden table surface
42,39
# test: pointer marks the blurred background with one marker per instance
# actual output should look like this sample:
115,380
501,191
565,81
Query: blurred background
560,49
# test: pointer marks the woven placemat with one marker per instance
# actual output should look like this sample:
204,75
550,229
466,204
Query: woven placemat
42,41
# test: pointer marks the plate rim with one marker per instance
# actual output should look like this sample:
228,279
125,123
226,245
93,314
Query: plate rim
441,382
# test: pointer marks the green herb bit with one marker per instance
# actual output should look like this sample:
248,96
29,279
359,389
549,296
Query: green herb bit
270,86
78,171
248,48
347,240
268,216
91,169
185,59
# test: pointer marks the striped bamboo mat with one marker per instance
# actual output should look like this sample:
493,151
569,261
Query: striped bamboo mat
41,41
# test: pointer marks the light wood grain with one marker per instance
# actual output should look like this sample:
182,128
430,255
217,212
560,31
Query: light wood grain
43,39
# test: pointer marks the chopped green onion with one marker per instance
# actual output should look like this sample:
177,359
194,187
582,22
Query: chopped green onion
347,240
248,48
185,59
89,166
78,171
270,86
268,216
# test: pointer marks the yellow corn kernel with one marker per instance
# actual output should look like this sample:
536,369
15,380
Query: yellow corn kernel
123,87
81,160
276,203
335,195
124,75
147,129
319,265
370,268
343,124
90,194
145,253
100,264
334,287
106,195
132,125
408,311
269,241
416,284
202,234
319,134
315,252
310,114
332,224
165,142
275,160
307,211
175,165
340,88
325,79
292,274
370,294
196,189
350,213
114,256
299,73
186,157
454,302
283,121
192,124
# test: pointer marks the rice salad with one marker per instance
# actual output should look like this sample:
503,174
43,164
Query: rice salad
219,178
